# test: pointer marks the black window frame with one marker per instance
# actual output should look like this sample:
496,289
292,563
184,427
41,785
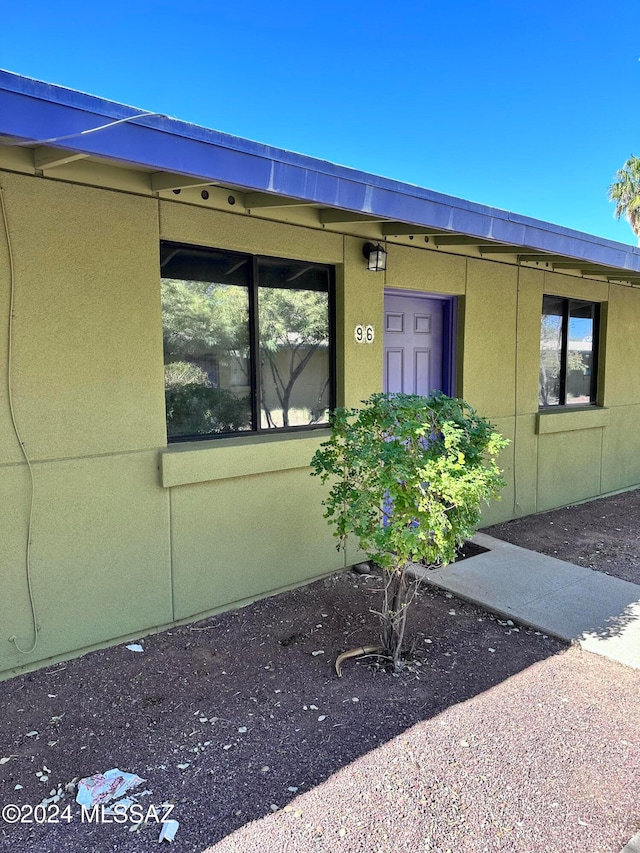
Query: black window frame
567,304
254,342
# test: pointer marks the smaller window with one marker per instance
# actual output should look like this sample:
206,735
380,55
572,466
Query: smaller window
568,352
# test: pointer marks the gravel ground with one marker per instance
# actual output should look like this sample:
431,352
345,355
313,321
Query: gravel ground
545,761
494,738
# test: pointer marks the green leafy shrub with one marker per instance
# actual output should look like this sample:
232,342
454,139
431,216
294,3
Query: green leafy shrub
196,409
408,477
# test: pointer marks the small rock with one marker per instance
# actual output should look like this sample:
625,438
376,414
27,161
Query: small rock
362,569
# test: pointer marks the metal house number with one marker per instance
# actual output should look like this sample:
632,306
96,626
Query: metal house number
364,334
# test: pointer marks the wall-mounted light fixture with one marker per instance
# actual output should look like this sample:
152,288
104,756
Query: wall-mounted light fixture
376,257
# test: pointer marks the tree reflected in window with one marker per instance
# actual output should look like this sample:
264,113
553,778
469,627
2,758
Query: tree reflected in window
247,342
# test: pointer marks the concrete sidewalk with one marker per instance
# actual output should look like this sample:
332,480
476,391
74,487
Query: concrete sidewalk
600,612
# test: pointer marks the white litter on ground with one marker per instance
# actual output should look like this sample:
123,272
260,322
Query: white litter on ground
103,787
168,831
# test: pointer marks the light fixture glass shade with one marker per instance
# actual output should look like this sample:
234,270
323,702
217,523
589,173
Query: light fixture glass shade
376,257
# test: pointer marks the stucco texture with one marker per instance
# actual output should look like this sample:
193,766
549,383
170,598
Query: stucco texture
88,400
241,538
99,557
87,323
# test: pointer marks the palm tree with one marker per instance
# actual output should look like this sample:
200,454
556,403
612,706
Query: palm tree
625,191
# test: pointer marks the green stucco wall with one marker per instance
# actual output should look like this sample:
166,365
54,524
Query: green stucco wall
88,397
129,535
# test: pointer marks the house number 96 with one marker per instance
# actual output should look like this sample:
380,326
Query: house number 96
364,334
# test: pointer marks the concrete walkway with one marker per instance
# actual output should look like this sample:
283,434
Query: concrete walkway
600,612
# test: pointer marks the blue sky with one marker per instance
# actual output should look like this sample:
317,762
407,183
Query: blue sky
526,106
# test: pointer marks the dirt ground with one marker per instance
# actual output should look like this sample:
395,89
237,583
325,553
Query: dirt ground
603,535
495,737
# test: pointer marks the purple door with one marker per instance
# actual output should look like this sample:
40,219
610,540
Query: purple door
413,344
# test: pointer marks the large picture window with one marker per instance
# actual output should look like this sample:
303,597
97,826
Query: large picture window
568,352
248,342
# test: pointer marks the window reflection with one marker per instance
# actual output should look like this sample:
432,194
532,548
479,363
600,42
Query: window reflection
567,352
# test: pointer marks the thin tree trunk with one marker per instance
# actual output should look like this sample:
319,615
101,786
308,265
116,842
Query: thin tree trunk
395,613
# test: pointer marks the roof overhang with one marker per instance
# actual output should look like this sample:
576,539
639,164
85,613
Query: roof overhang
61,126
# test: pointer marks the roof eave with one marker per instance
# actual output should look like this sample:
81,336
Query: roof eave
32,111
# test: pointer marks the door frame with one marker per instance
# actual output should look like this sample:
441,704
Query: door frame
449,332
